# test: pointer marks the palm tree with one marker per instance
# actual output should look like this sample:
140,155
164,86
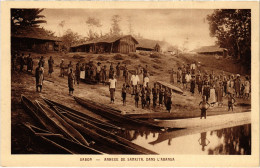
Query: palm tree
26,18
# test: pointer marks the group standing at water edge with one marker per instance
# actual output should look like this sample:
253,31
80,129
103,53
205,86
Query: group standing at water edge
212,87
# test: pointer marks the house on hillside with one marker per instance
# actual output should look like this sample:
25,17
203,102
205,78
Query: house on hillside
115,44
34,39
148,45
211,50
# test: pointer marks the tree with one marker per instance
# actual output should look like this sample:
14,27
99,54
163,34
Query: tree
232,28
69,38
92,23
25,18
61,25
115,30
131,30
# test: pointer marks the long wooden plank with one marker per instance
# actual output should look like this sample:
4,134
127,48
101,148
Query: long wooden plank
57,140
115,116
66,128
108,134
172,87
122,149
42,119
81,115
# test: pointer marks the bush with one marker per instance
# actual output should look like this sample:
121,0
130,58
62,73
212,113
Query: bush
144,53
133,55
155,55
156,66
77,56
118,57
127,62
102,58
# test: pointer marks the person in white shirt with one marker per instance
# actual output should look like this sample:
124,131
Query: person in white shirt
146,79
112,88
187,78
134,82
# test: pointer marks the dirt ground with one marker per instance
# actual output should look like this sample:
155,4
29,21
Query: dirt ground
56,88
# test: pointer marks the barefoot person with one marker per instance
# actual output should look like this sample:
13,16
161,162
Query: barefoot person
29,63
50,63
124,94
231,101
39,71
112,88
71,82
204,105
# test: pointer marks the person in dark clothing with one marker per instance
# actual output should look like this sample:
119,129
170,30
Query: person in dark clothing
50,63
39,71
206,91
231,101
200,85
204,105
125,74
155,95
148,94
118,70
169,100
77,73
124,94
29,63
192,85
111,71
22,62
42,61
137,94
143,97
161,96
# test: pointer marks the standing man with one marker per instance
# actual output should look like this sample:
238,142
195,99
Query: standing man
169,100
104,74
192,85
148,94
29,63
118,70
39,71
179,75
155,95
125,74
134,81
112,88
42,61
77,73
62,67
98,72
71,82
50,63
111,71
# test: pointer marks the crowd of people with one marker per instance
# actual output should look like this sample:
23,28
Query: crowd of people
211,86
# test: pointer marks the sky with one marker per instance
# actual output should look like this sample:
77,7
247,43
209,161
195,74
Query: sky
181,27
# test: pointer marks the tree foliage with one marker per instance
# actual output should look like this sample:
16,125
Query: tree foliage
24,18
69,38
232,28
115,30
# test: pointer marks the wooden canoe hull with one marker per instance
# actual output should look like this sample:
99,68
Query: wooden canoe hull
66,128
122,149
58,141
107,113
81,115
170,86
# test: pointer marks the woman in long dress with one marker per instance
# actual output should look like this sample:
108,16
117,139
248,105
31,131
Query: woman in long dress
39,71
71,82
212,97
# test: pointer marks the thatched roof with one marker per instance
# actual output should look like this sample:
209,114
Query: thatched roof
209,49
105,40
34,33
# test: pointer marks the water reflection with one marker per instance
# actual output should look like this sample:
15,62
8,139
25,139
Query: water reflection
227,141
203,141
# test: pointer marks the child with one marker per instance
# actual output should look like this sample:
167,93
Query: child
231,101
204,105
124,94
136,97
143,97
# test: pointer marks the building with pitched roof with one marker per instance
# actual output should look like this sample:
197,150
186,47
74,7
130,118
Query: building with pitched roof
211,50
34,39
115,44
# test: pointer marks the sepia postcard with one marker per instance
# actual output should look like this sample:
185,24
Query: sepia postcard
136,84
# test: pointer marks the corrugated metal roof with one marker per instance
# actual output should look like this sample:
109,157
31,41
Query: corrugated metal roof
208,49
34,33
105,40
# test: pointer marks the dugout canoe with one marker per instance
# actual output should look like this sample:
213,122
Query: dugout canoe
120,148
170,86
106,133
114,116
62,144
81,115
38,116
153,115
67,130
